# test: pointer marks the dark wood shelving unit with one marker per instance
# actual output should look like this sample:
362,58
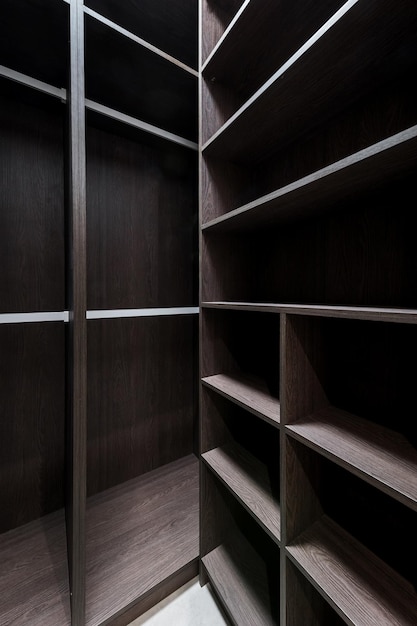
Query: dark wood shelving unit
140,535
301,165
98,214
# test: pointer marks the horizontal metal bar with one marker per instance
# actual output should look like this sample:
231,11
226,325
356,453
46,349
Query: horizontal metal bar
140,41
117,313
132,121
48,316
28,81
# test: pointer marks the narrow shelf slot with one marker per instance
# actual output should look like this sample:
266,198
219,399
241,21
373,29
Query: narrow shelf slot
379,455
238,66
323,65
248,479
322,189
248,393
240,578
34,588
342,569
140,534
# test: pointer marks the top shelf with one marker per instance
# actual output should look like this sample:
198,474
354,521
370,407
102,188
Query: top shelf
238,60
218,17
169,26
360,47
34,39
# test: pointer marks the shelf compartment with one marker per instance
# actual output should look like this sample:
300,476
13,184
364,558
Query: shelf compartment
358,31
242,345
361,587
139,535
376,454
217,17
238,66
129,78
359,252
34,39
148,20
34,587
239,558
248,479
248,393
321,190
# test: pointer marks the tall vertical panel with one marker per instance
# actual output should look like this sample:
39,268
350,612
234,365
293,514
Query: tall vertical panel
77,326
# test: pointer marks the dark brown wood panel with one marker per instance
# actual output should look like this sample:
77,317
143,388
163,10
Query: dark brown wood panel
130,78
216,17
34,587
34,38
141,395
141,221
32,220
170,26
32,421
140,535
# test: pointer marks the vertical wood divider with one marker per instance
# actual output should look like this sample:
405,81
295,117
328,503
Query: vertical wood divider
77,348
203,576
282,469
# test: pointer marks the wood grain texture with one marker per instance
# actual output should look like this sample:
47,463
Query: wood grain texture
376,454
216,16
34,589
77,331
32,421
34,39
138,535
31,207
168,26
141,224
314,193
368,32
248,479
241,65
141,396
131,79
247,393
361,587
240,579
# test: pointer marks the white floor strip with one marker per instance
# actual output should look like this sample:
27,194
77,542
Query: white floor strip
191,605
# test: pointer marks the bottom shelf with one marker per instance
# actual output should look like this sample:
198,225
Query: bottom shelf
140,535
34,587
242,581
359,585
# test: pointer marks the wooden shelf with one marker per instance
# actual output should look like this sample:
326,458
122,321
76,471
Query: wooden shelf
239,64
383,314
380,456
248,393
240,578
34,588
347,57
359,585
140,534
311,194
128,77
248,479
149,19
34,39
218,17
